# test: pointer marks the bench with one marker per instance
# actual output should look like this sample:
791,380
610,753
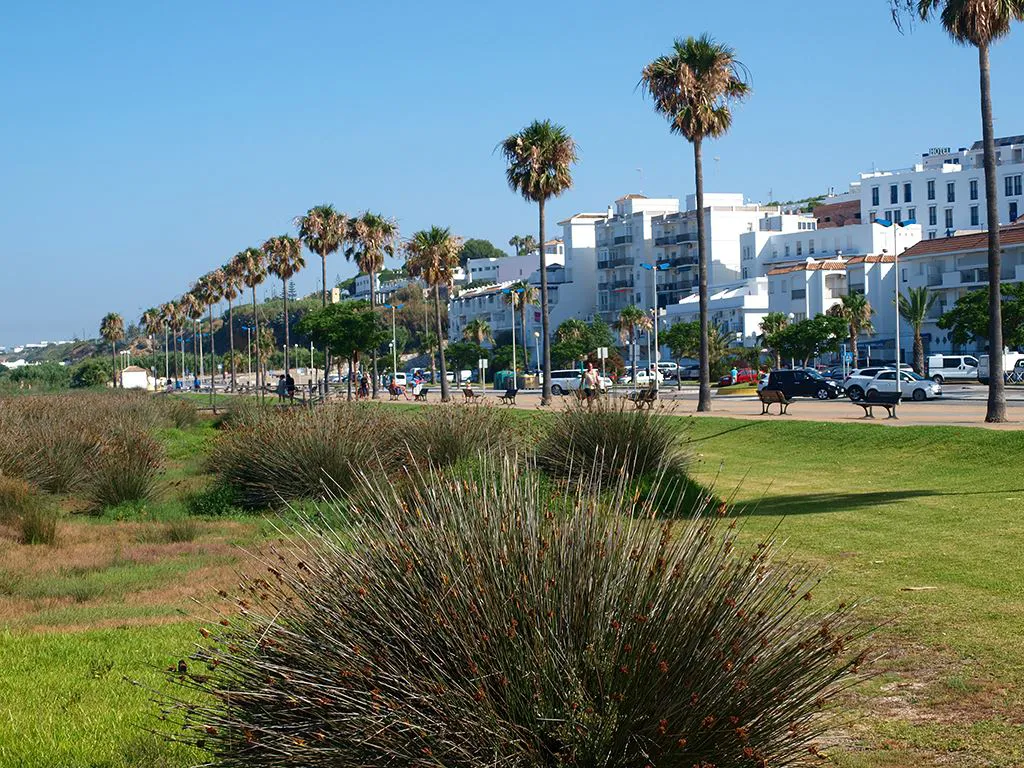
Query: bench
395,393
421,396
771,396
469,394
886,400
643,398
509,398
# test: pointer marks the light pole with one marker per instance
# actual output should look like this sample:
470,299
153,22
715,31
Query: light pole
792,360
536,348
511,292
394,338
248,344
655,314
896,226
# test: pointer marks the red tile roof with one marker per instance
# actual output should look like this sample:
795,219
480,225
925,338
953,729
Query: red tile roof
873,258
975,241
810,266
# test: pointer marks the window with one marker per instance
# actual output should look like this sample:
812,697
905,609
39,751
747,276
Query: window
874,195
974,189
787,250
912,214
950,191
894,193
896,218
931,234
1013,211
931,189
974,215
932,216
872,215
1013,186
745,275
810,247
949,218
799,248
908,195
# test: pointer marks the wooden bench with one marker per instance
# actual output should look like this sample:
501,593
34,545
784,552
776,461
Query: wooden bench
509,398
421,396
643,398
886,400
772,396
469,394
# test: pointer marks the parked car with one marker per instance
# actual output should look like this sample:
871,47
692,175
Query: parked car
952,368
1010,360
856,383
643,379
743,376
689,373
668,369
567,380
912,385
802,383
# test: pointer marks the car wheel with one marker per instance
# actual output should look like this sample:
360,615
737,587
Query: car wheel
937,378
919,395
833,394
822,394
855,393
556,390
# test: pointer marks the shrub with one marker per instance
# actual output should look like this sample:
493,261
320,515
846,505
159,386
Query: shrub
445,435
181,529
218,499
507,626
15,495
610,439
39,523
124,468
286,454
181,413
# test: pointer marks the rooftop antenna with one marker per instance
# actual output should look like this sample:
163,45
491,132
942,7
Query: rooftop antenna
641,172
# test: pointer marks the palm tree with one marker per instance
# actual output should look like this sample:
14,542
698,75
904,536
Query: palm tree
231,289
209,290
692,87
152,320
112,330
323,230
772,324
856,310
521,296
433,255
980,23
478,330
252,265
284,259
371,237
172,322
631,320
193,310
539,162
523,244
914,308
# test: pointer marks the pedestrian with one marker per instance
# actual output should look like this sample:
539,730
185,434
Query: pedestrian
591,383
282,389
734,375
290,386
364,386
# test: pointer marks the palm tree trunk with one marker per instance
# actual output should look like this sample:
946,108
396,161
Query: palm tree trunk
231,341
213,354
704,398
287,340
853,346
327,347
373,352
167,359
444,370
256,327
632,354
996,394
196,340
350,378
113,360
544,319
919,350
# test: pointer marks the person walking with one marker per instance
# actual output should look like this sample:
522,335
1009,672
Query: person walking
282,389
734,375
591,383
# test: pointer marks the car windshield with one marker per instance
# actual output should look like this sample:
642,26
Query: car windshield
815,375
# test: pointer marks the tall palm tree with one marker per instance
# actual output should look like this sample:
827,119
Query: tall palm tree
112,331
692,86
252,264
172,321
193,310
433,255
856,310
980,23
323,231
371,237
209,289
523,295
478,330
914,308
284,259
631,320
523,244
539,161
152,320
231,289
772,324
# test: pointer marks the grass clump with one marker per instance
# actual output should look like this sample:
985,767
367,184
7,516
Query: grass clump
285,454
181,529
124,468
38,523
15,495
615,439
509,626
179,412
448,434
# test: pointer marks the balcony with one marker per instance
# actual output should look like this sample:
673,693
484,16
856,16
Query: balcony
934,279
684,261
666,240
973,276
618,285
623,239
615,261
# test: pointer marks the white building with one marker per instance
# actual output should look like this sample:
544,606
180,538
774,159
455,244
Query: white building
385,289
736,311
511,268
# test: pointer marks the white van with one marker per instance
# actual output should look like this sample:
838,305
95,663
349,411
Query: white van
952,368
1010,360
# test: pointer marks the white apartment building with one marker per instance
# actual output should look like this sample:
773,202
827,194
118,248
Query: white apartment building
512,268
385,289
736,310
945,190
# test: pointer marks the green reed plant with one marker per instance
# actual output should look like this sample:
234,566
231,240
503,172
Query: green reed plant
496,624
38,522
124,468
448,434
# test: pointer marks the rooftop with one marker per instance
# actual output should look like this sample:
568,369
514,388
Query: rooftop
974,241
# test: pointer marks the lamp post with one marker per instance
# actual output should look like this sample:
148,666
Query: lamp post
792,360
896,226
394,338
248,344
655,314
536,348
510,292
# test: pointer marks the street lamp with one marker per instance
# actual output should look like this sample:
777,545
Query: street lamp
896,268
655,316
792,360
394,339
509,292
248,343
536,348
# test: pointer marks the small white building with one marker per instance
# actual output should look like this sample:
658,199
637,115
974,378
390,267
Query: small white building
134,377
736,310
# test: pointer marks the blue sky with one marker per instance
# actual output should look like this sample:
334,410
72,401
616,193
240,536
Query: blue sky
145,143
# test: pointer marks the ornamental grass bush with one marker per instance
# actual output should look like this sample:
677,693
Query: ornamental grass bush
274,456
613,436
445,435
498,624
124,467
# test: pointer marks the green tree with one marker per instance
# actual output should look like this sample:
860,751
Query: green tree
89,373
539,161
153,321
112,331
523,244
692,86
683,341
856,311
968,319
773,324
479,249
231,289
209,289
322,229
979,23
811,337
433,254
252,265
350,328
572,342
914,308
464,355
477,330
631,321
284,259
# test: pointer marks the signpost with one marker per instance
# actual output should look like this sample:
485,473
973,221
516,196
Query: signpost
602,354
482,364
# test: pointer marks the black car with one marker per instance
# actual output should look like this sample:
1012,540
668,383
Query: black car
803,383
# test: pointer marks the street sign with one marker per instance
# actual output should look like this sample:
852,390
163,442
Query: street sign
483,362
602,353
849,357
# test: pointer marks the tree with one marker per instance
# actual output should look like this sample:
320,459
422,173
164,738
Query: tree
350,328
231,289
371,237
683,341
479,249
811,337
521,295
89,373
631,320
969,318
465,355
856,311
284,259
914,308
323,232
539,161
979,23
523,244
193,310
252,265
210,290
112,331
477,330
172,320
433,254
153,321
692,86
772,325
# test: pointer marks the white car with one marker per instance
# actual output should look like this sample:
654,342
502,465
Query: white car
644,378
913,387
567,380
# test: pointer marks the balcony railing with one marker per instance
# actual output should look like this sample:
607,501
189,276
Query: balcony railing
615,261
620,284
623,239
683,261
